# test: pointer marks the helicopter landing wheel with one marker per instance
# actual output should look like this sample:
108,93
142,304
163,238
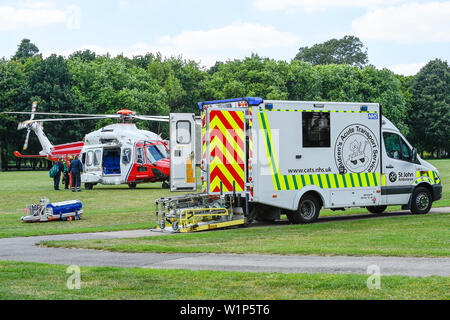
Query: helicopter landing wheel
165,185
132,185
88,186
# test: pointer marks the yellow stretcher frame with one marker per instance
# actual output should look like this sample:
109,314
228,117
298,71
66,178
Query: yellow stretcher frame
212,226
190,223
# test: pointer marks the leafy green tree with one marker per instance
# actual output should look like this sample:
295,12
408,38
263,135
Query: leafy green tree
107,85
252,76
25,50
430,116
348,50
14,96
303,82
85,55
49,83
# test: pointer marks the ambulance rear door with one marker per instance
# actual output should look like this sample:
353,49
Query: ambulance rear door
182,152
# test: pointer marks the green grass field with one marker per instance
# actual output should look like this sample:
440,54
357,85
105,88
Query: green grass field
107,208
41,281
427,235
118,208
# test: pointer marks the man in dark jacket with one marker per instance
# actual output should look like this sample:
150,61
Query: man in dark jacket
57,177
75,168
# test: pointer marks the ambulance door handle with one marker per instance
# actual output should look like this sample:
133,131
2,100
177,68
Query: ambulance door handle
390,167
299,156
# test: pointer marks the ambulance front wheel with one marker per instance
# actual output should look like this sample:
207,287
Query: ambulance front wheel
421,201
132,185
308,210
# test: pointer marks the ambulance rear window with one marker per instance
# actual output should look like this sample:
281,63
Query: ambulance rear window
183,132
316,130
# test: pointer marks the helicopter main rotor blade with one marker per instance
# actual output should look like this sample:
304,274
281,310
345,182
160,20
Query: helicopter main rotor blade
63,119
64,114
156,118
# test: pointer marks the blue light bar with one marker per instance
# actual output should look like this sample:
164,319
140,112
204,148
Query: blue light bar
252,101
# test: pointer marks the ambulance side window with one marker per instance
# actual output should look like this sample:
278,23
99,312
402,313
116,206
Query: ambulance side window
90,155
316,130
392,145
126,156
406,152
183,132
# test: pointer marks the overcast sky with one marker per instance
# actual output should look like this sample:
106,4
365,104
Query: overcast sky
400,35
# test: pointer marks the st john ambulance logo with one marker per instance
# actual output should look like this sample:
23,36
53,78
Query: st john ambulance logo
356,150
392,177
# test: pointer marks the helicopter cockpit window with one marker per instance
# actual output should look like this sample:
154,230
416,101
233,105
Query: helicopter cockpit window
163,150
126,156
90,155
153,154
97,157
140,155
183,132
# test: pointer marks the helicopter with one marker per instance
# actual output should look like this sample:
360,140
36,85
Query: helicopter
116,154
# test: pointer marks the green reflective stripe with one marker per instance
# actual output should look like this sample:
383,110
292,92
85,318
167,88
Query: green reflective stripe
351,179
269,150
287,182
360,181
328,180
303,180
319,177
367,179
295,182
336,180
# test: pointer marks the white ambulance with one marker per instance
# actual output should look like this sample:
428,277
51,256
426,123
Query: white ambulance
263,158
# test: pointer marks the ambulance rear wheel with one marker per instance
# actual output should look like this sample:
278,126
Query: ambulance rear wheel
308,211
376,209
132,185
421,201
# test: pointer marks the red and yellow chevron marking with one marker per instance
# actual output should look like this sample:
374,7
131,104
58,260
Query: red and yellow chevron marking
227,150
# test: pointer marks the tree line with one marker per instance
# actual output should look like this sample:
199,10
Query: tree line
336,70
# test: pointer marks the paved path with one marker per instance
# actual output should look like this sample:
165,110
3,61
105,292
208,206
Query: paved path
25,249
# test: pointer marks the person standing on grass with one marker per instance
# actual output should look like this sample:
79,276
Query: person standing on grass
57,177
66,178
75,169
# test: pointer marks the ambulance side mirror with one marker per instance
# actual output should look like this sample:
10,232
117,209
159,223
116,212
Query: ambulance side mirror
414,156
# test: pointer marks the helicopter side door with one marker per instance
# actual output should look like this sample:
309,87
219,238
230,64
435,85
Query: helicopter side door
182,152
94,162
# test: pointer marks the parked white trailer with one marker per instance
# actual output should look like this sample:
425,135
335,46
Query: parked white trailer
263,158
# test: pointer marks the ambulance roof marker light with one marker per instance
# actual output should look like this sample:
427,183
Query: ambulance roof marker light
364,108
